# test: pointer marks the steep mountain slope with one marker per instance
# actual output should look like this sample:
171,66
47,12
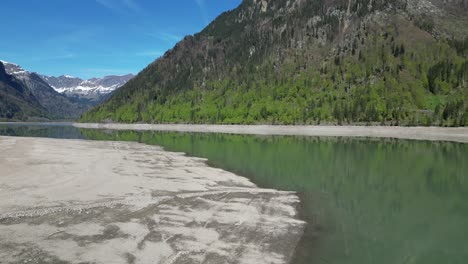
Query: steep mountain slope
58,105
300,61
93,90
66,97
16,101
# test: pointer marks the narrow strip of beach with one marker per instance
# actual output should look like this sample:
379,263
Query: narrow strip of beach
80,201
456,134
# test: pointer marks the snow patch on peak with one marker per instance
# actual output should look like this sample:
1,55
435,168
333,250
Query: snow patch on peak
13,69
80,89
10,64
93,87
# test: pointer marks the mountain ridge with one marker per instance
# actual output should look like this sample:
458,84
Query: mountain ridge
94,89
307,62
67,102
17,101
57,105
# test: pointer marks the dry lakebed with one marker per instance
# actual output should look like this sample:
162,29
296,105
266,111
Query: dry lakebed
77,201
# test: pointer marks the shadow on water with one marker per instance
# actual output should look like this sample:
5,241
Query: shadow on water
365,200
38,130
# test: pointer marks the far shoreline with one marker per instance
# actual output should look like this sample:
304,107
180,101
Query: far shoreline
455,134
38,123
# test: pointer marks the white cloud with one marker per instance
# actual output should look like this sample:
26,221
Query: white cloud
169,37
166,37
106,71
54,57
132,5
203,11
153,54
77,36
121,6
109,4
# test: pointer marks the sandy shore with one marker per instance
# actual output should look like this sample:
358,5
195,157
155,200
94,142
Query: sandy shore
417,133
73,201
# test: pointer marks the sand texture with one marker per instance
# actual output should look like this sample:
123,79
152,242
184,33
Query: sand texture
75,201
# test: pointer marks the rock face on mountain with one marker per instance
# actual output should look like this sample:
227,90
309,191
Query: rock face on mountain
57,105
93,90
308,62
16,100
64,97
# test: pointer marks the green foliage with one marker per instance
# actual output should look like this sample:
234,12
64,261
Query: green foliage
445,75
461,46
424,22
233,73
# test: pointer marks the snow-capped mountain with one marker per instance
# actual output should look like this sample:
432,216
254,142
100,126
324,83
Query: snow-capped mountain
66,96
12,69
17,101
73,86
91,89
57,105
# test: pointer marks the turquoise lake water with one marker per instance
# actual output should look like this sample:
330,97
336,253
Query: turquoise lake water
365,200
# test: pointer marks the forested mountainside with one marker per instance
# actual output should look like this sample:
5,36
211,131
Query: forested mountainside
308,62
17,102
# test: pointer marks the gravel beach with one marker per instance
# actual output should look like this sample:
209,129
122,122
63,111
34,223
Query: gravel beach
76,201
417,133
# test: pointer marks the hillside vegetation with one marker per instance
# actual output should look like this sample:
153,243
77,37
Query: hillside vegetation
309,62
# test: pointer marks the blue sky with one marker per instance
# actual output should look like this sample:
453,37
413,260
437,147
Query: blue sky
94,38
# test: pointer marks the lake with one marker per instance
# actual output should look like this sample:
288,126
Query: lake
365,200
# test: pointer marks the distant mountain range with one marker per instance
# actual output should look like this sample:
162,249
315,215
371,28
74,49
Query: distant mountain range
94,89
61,97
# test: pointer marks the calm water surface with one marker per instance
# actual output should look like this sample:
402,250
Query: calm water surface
365,200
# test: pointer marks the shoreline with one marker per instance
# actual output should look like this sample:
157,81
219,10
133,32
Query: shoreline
455,134
58,123
102,201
